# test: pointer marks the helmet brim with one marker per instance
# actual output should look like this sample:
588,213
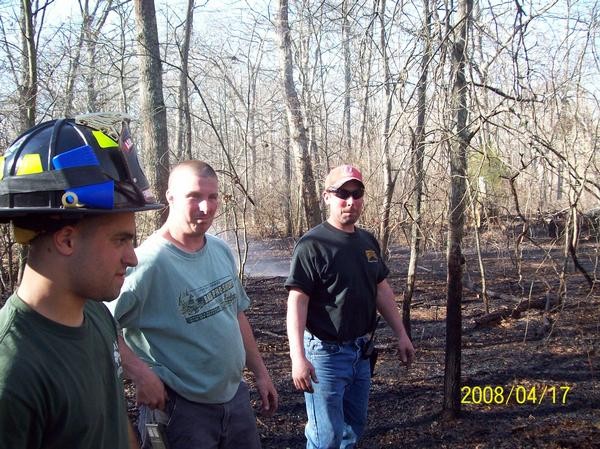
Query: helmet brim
6,215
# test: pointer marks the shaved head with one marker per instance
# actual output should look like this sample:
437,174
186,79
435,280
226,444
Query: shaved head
198,168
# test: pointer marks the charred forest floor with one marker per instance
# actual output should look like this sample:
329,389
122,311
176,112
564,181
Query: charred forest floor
530,379
550,359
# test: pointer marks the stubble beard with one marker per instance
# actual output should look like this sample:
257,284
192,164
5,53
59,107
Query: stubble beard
348,219
199,228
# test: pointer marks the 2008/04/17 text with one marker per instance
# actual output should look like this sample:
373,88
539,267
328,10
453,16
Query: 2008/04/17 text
517,394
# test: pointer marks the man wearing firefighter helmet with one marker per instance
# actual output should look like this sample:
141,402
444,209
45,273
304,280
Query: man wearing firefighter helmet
70,188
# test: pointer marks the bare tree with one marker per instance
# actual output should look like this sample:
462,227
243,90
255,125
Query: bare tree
94,17
459,142
93,21
307,48
347,76
389,178
287,190
154,119
366,61
28,89
418,152
183,143
73,69
122,66
295,120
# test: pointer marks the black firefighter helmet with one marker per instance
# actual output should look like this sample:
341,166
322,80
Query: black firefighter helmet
73,167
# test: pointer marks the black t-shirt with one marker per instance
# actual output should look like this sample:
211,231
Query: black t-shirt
339,272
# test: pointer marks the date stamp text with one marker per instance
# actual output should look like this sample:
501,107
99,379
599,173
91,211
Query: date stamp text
514,394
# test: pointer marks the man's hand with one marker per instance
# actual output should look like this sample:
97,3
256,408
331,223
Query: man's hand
386,305
268,395
254,362
303,374
150,390
406,351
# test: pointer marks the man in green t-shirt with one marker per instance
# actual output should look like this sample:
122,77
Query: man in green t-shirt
337,284
70,187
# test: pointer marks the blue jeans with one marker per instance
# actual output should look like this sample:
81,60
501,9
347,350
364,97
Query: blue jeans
337,409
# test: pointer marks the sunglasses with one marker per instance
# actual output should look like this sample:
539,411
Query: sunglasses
344,194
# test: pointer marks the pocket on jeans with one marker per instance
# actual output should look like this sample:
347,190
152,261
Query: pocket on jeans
318,347
170,406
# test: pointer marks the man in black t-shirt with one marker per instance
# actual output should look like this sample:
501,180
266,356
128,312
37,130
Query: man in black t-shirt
336,285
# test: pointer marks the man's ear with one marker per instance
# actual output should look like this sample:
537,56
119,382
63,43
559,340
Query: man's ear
63,240
169,196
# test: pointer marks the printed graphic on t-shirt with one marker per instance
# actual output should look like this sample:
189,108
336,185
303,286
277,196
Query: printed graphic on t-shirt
117,359
371,255
206,301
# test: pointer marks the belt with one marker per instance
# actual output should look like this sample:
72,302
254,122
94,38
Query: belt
338,342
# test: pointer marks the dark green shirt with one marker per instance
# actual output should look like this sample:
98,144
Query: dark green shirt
339,271
60,386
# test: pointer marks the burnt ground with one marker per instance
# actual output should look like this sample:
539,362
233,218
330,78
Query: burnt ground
533,379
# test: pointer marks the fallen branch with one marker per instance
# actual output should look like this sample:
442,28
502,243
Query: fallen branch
514,312
492,294
521,305
270,333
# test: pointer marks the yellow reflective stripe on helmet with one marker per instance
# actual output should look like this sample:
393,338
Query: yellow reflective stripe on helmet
24,236
30,164
103,140
1,167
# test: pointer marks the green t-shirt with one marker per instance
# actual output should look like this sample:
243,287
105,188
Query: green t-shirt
60,386
179,310
339,271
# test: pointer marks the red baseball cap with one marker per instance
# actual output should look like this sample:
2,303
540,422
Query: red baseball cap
340,175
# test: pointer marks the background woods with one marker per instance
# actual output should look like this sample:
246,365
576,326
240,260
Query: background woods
372,83
475,123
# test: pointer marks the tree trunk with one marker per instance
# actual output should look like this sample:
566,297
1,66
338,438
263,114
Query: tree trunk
476,226
389,181
286,206
250,131
27,92
28,89
366,80
123,65
90,75
459,141
92,24
72,75
347,78
184,125
298,135
154,118
418,149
